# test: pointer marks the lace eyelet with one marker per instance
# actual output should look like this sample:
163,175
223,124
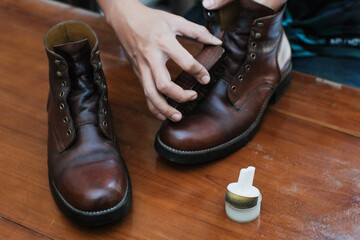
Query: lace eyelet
257,35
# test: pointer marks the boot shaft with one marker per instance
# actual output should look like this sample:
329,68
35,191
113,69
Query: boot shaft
249,31
235,11
256,40
245,25
78,89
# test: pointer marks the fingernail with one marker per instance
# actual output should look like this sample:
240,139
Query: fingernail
176,117
217,41
205,79
161,117
208,3
193,97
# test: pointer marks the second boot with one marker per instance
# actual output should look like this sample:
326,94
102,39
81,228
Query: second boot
255,70
88,178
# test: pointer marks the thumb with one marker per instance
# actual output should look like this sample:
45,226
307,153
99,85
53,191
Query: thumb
215,4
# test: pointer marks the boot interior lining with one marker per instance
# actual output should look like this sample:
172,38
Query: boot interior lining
69,32
229,14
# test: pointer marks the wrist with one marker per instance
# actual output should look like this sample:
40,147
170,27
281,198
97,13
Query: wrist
117,9
105,6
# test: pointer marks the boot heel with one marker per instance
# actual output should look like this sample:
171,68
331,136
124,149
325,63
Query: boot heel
281,89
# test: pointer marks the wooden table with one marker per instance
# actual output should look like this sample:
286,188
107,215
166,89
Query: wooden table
306,154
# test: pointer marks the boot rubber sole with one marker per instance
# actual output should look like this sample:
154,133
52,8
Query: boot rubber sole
225,149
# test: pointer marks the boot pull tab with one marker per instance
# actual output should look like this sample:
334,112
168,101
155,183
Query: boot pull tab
229,14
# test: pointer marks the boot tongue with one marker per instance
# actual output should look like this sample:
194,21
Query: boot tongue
236,35
74,52
83,97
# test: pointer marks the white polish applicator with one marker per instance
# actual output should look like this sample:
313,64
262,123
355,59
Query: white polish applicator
242,199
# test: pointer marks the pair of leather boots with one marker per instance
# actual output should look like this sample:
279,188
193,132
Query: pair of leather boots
88,178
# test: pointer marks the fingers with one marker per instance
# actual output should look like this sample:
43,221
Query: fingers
195,31
187,62
215,4
156,102
164,84
154,111
182,57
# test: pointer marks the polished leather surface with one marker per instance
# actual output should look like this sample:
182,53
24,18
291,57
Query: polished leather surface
83,155
255,45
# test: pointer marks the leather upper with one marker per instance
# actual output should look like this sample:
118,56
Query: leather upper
83,156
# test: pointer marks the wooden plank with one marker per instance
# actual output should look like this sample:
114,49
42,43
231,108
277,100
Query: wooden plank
13,231
306,153
323,102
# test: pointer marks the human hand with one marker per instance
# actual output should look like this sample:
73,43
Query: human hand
149,39
215,4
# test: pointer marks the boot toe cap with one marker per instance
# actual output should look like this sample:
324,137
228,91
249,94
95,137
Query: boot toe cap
94,187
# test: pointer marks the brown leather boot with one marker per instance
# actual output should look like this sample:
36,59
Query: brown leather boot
257,65
88,179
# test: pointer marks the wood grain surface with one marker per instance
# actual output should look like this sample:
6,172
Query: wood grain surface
11,230
306,154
